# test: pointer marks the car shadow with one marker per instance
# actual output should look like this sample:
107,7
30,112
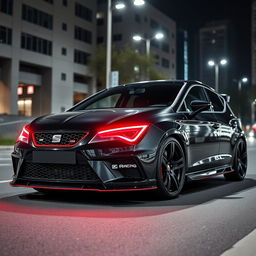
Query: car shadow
124,204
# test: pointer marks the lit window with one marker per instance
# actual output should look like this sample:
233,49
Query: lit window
30,89
19,90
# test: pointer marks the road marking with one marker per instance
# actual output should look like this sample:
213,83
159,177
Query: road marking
245,246
14,122
5,164
5,181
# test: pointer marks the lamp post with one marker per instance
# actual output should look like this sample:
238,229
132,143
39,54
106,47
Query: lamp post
241,81
253,111
217,65
118,6
157,36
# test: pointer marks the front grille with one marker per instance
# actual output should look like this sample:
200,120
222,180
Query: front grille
57,139
58,172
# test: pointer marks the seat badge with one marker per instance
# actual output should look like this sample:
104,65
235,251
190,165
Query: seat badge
56,138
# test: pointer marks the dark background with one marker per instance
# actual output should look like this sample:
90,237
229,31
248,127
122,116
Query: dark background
192,15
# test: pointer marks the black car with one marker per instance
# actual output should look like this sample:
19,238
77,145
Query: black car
140,136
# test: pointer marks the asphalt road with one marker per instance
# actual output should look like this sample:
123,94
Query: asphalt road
208,218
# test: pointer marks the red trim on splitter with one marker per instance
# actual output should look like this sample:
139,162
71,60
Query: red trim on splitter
57,146
88,189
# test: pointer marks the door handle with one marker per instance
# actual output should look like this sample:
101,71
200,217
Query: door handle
216,126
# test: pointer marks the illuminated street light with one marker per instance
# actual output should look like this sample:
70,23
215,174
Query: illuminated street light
119,6
157,36
138,2
223,62
215,64
244,79
137,38
211,63
241,81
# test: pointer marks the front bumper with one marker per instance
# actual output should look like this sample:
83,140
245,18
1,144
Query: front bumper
94,170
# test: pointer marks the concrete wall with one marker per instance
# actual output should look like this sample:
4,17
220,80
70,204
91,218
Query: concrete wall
56,93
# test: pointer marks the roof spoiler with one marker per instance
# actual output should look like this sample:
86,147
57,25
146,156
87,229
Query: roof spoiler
226,97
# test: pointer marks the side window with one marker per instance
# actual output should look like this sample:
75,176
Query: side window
217,103
196,93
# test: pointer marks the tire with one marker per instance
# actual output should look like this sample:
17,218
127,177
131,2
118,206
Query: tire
239,166
171,168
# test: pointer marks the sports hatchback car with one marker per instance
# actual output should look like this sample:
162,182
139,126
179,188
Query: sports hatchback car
141,136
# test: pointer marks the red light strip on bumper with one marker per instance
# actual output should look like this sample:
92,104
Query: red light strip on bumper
88,189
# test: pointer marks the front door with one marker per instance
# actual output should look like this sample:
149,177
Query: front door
202,133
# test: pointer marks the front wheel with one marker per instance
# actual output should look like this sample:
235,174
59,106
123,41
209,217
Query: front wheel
171,169
239,162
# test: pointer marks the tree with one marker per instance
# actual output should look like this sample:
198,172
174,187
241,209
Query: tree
131,65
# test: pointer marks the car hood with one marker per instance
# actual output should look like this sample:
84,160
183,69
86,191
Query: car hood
92,119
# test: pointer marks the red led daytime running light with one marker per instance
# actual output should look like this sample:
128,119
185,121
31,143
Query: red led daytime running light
24,135
121,134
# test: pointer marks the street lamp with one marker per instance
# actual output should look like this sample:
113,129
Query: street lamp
212,63
157,36
241,81
119,6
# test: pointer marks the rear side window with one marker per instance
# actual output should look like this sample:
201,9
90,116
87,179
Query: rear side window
196,93
217,102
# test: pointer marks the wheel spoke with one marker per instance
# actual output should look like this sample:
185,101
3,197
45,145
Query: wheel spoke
243,165
177,161
167,182
243,156
175,180
177,167
171,150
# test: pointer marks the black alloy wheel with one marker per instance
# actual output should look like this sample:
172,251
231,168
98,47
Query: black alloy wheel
239,162
171,169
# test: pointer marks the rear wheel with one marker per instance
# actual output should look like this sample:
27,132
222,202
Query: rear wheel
239,162
171,169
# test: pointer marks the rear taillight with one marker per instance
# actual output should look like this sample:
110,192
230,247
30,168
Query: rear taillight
24,135
128,134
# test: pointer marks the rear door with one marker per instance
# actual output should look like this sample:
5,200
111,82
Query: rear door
201,131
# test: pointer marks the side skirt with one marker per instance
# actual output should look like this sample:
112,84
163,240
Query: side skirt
209,173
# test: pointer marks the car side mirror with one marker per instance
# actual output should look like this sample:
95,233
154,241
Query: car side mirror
226,97
198,106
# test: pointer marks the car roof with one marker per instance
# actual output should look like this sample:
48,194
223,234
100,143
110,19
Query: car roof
167,82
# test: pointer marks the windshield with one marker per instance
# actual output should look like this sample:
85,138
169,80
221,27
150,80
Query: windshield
156,95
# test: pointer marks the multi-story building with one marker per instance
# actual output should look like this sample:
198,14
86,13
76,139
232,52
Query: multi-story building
145,21
216,42
253,38
44,50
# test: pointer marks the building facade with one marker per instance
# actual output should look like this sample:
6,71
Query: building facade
182,54
145,21
44,50
215,43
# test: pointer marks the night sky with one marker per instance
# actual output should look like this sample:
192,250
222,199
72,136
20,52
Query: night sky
195,13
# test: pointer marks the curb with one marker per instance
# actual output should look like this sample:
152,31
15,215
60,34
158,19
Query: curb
6,147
